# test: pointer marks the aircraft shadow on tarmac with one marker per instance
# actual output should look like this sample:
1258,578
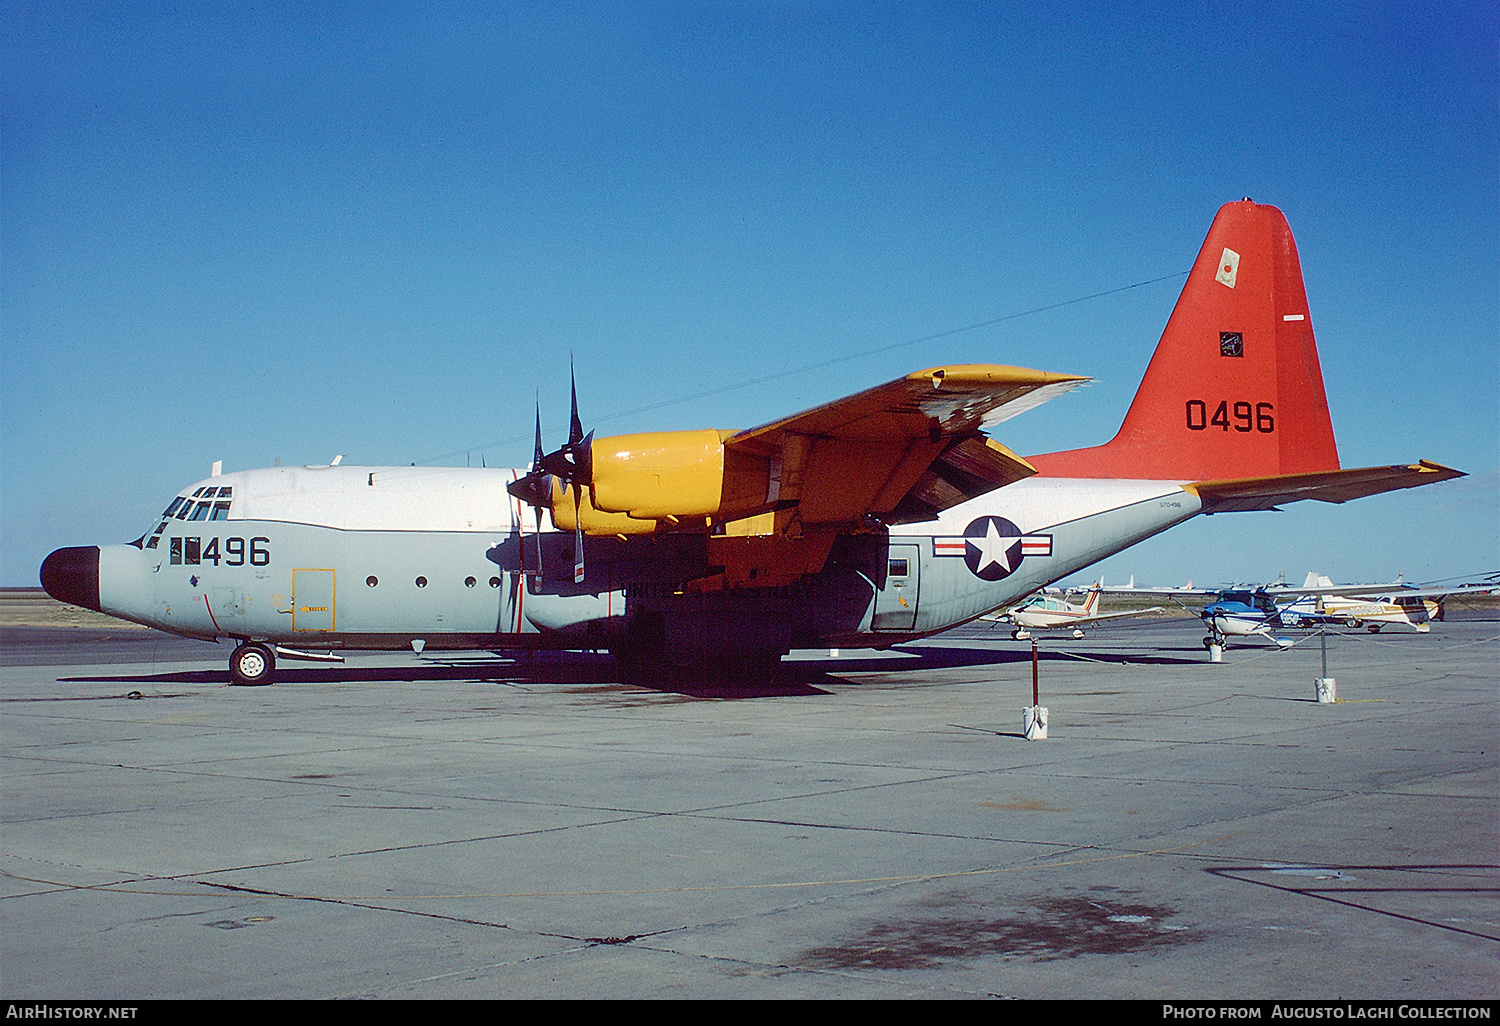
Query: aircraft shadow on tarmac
592,670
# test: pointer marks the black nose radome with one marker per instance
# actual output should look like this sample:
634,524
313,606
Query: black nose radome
72,576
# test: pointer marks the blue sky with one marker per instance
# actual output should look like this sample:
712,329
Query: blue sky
269,232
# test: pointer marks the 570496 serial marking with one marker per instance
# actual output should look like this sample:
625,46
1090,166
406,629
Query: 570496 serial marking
192,551
1245,416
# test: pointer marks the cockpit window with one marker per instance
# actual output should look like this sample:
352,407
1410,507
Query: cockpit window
200,511
221,511
173,508
155,538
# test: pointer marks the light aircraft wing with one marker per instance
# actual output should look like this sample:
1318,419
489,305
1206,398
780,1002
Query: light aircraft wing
1075,621
1260,493
1378,590
905,450
1099,617
1164,592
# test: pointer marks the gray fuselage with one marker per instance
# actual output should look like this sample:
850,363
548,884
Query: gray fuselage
358,557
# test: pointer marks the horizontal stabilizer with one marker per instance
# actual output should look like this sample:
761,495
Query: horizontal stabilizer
1257,493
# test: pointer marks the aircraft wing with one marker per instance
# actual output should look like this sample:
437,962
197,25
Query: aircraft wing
1005,617
904,451
1120,616
1164,592
1381,590
1258,493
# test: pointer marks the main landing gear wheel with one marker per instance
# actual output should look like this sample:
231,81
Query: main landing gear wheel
252,664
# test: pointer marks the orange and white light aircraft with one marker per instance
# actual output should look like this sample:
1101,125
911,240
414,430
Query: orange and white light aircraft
868,521
1053,612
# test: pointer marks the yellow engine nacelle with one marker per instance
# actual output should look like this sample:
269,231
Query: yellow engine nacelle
673,476
660,474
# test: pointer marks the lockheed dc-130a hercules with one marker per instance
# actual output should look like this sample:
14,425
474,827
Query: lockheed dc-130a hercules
866,522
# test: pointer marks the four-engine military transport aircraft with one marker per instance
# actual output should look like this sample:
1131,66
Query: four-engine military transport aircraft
868,521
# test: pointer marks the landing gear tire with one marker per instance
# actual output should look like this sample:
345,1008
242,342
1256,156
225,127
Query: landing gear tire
252,665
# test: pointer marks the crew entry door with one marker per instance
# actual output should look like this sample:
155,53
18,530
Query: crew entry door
312,600
896,602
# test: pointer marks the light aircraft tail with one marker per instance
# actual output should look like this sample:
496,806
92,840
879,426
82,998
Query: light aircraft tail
1234,389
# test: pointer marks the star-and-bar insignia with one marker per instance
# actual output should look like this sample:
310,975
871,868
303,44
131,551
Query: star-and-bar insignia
993,547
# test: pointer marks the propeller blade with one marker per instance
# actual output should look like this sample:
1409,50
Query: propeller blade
577,535
583,459
575,429
539,571
536,460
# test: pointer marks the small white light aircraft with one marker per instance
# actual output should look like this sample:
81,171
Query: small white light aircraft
868,521
1052,612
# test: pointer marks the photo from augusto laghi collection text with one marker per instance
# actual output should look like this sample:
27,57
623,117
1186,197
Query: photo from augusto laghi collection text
1262,1010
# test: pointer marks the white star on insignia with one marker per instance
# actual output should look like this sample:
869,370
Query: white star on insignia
992,548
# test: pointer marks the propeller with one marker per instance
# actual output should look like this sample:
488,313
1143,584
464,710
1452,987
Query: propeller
534,489
573,464
536,461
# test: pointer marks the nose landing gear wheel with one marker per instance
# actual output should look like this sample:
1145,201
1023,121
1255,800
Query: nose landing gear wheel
252,664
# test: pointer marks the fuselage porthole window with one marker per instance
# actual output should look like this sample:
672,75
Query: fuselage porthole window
421,582
494,582
372,580
469,582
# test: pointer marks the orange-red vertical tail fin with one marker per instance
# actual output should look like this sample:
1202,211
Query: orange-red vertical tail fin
1234,389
